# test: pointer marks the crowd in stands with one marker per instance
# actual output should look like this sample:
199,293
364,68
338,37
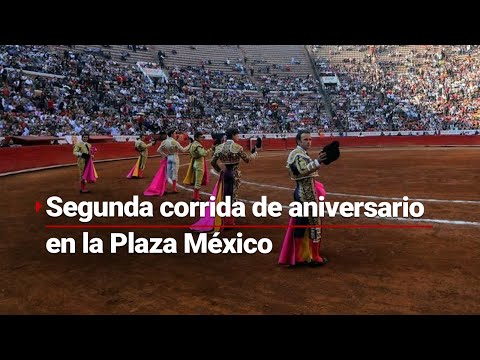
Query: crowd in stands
91,92
392,87
382,88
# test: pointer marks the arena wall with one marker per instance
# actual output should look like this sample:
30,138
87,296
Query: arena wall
28,157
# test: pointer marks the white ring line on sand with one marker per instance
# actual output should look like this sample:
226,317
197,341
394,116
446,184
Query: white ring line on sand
249,182
75,164
360,196
441,221
64,165
275,154
438,221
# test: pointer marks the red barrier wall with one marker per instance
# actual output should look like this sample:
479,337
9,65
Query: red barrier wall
384,141
19,158
391,141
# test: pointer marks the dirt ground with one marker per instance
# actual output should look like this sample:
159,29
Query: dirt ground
371,271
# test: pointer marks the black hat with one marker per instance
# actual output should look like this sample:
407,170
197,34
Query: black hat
231,132
333,152
258,145
217,138
197,135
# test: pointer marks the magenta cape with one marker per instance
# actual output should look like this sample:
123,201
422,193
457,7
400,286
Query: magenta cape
159,183
287,254
209,223
90,174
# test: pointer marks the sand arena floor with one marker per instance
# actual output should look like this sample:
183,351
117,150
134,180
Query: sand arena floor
371,271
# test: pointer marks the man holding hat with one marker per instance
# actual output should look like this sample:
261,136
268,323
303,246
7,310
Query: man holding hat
302,245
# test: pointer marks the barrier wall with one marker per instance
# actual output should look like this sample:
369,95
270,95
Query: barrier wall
20,158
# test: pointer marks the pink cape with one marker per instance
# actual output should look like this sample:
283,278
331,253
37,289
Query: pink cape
90,174
159,183
287,254
207,223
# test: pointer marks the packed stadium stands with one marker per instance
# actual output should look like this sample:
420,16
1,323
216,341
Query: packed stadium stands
126,89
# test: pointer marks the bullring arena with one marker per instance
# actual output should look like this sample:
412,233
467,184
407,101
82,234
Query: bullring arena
407,118
371,271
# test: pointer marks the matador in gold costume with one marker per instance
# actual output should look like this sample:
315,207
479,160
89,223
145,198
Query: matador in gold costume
303,170
230,153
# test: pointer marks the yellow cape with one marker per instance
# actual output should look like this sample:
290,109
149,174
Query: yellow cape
190,176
